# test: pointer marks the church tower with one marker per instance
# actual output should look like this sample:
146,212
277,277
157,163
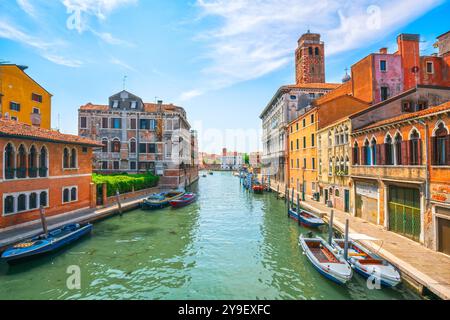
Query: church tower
310,59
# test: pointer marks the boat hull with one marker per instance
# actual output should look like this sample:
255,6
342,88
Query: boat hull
339,272
14,255
148,204
310,223
386,274
183,202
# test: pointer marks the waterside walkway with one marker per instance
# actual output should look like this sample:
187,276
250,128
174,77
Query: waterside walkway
25,231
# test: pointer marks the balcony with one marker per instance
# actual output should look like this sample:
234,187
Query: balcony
32,172
21,173
10,173
407,173
43,172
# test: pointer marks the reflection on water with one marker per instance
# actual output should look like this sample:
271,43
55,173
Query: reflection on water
231,244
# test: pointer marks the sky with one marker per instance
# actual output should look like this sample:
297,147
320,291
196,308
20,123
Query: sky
222,60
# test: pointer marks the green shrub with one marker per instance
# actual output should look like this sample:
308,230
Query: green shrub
125,182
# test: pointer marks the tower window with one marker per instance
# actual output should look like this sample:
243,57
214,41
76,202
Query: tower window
310,50
384,93
317,51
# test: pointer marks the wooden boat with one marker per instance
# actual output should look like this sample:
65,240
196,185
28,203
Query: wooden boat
185,200
307,219
325,260
161,200
368,264
258,188
43,244
211,173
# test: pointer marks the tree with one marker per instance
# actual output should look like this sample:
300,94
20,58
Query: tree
246,159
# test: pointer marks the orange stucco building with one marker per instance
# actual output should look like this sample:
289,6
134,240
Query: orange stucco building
22,98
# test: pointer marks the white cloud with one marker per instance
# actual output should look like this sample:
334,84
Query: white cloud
99,8
255,38
122,64
26,6
188,95
110,39
44,48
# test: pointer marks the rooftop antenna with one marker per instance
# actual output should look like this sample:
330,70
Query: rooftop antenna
124,82
59,121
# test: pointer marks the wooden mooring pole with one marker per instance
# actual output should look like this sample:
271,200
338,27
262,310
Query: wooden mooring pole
298,209
118,203
278,191
287,199
346,240
330,228
43,220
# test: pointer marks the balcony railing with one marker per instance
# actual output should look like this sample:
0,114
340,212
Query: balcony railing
43,172
9,173
32,172
21,173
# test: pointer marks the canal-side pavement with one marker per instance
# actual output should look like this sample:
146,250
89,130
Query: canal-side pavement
420,266
25,231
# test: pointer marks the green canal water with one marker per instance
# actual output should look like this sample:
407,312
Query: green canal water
231,244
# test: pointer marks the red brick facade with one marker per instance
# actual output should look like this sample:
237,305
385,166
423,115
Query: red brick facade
50,183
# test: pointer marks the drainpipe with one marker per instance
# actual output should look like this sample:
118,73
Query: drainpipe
427,177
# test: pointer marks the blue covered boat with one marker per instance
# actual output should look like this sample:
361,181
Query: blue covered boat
161,200
307,219
43,244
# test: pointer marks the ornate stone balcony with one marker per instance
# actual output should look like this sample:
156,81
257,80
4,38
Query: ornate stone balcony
408,173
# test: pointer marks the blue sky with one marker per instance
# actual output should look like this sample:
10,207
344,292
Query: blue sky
222,60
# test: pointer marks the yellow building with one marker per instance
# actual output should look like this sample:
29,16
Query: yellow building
22,98
302,160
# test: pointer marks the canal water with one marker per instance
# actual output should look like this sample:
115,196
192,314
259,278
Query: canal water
231,244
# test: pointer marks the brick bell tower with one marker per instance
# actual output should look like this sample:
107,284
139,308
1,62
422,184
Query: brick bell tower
310,59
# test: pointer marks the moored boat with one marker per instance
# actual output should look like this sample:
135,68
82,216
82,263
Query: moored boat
185,200
307,219
258,187
368,264
325,260
42,244
161,200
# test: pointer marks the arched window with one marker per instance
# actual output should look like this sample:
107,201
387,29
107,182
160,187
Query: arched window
66,160
330,167
341,136
43,166
32,163
22,162
22,203
66,195
374,151
73,158
346,135
441,146
115,146
73,194
330,139
317,52
337,193
32,202
398,149
355,153
9,162
336,137
43,199
389,151
415,147
133,146
9,205
310,51
367,155
105,146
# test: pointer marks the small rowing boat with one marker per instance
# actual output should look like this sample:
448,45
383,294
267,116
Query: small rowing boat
184,201
324,260
368,264
258,188
307,219
161,200
43,244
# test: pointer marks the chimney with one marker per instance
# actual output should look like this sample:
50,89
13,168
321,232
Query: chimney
384,50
